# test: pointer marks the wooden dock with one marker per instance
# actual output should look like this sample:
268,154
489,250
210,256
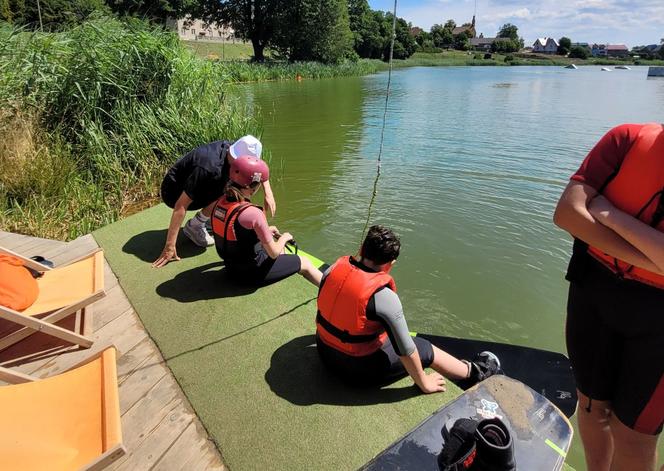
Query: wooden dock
160,429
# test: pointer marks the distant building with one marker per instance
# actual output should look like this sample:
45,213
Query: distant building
191,29
416,31
617,50
545,46
482,43
586,45
468,29
598,50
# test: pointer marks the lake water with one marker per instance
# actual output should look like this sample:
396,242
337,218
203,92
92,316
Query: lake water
474,161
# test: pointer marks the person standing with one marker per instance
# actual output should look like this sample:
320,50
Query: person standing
195,182
614,208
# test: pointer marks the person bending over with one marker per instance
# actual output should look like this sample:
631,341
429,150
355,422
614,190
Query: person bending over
614,208
196,181
252,250
361,332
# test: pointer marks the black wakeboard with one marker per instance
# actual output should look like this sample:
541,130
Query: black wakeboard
540,431
548,373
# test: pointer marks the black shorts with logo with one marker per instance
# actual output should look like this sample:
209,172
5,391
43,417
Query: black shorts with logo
615,341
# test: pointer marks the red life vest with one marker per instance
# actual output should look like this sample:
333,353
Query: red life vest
234,243
637,189
342,321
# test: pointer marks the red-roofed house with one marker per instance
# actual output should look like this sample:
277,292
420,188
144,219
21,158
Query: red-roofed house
617,50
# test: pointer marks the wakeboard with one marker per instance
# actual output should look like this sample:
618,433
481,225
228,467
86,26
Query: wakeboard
541,433
548,373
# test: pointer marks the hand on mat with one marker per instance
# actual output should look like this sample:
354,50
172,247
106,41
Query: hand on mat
601,209
169,254
432,383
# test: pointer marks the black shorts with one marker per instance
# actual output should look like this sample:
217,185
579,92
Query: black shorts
379,368
171,192
615,341
266,270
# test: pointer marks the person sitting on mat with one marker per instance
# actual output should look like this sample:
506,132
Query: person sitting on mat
196,181
252,250
361,332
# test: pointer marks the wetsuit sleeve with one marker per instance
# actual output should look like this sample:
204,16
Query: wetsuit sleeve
253,218
604,160
388,311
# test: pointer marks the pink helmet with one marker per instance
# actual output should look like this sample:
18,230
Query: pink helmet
247,169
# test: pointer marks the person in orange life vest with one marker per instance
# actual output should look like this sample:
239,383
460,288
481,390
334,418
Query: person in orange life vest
251,249
361,333
614,208
196,181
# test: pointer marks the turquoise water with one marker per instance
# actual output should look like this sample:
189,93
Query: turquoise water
474,161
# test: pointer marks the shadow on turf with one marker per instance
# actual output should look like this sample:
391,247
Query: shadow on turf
211,281
297,375
148,245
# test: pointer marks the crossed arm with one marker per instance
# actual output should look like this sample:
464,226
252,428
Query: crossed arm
593,219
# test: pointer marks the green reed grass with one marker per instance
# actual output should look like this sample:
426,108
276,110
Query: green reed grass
92,117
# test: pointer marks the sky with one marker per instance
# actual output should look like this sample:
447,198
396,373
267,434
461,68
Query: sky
629,22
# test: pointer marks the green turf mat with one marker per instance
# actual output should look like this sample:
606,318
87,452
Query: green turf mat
245,359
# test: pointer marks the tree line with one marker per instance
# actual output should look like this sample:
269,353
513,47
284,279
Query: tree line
327,31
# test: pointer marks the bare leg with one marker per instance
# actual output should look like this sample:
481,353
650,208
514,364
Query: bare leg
632,449
207,211
310,272
447,365
595,433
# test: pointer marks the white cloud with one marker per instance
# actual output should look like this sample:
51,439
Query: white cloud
630,22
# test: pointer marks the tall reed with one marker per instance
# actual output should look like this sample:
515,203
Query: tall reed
103,109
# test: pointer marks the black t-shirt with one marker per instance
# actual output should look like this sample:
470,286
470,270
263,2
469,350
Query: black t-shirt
202,173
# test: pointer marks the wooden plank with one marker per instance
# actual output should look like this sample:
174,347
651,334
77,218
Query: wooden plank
192,451
113,305
158,442
132,359
137,384
139,421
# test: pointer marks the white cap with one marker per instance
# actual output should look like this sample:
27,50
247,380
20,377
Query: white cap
246,145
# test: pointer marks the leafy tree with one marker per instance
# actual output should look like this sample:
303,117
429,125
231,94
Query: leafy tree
154,10
564,45
423,37
314,30
508,30
660,53
252,20
579,52
368,40
55,14
372,34
462,42
505,45
450,24
442,35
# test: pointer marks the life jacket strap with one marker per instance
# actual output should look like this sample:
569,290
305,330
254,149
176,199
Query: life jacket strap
344,335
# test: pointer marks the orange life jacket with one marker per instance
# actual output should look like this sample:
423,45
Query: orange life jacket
18,288
637,189
233,242
342,320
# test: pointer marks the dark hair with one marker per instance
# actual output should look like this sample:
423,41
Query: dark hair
381,245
